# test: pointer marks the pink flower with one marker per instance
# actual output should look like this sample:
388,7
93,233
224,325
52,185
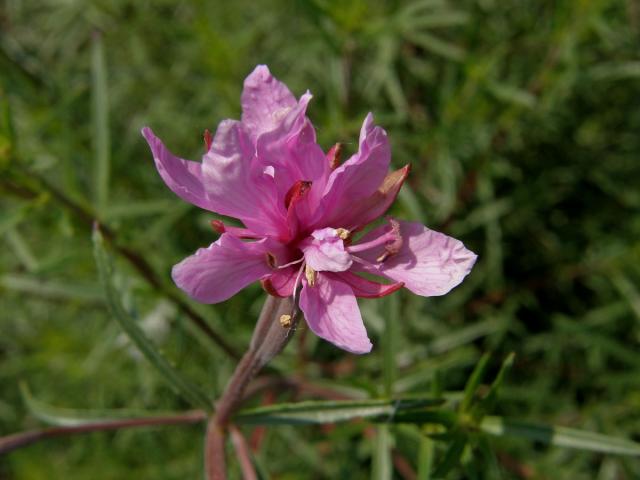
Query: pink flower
301,211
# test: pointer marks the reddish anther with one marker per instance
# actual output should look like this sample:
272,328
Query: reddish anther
334,156
296,191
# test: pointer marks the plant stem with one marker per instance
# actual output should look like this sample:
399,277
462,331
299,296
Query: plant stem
269,338
22,439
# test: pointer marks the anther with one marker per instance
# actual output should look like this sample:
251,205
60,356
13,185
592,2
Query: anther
343,233
285,321
218,226
296,191
333,155
208,139
310,274
271,260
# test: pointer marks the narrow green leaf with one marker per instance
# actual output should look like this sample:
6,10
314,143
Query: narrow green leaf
559,436
318,412
435,45
492,465
473,382
382,467
46,288
71,417
452,457
489,400
21,250
100,120
389,345
190,392
425,458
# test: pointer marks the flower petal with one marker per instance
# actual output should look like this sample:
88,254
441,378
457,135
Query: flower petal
265,102
216,273
183,177
281,282
429,263
363,288
365,211
360,176
237,189
324,251
332,313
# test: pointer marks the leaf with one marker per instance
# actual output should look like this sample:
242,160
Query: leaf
382,469
190,392
100,121
435,45
391,306
55,289
319,412
71,417
451,457
489,400
473,382
559,436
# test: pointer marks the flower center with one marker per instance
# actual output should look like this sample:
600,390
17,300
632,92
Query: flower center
324,250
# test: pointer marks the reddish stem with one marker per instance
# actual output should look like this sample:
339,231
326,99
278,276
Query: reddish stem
22,439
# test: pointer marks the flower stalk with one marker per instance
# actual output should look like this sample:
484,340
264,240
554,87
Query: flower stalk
269,338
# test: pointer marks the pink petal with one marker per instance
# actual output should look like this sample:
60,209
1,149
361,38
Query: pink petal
216,273
238,189
281,282
332,313
429,263
365,211
265,101
364,288
223,182
183,177
324,251
359,177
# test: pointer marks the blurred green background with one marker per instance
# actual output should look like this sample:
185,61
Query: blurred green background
521,121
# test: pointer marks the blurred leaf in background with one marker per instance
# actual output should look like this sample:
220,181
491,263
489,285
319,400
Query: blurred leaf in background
521,122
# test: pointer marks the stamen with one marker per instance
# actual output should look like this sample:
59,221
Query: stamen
296,283
296,191
333,155
218,226
392,241
285,321
343,233
395,246
310,274
295,262
381,240
208,139
271,260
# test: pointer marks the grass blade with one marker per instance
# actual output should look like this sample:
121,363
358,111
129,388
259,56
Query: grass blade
559,436
473,382
382,469
100,120
72,417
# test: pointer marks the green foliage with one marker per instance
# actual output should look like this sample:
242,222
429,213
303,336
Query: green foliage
521,122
